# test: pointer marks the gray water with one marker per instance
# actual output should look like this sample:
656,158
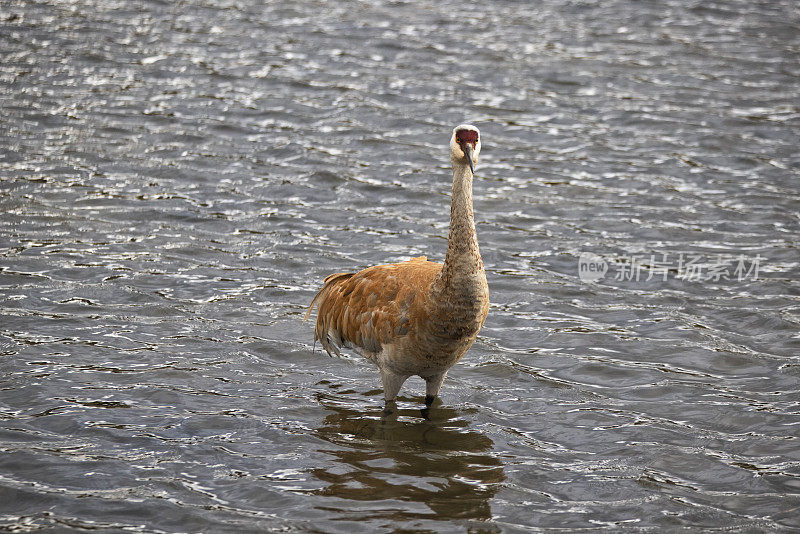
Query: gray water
178,177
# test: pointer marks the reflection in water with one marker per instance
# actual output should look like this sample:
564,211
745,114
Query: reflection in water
428,468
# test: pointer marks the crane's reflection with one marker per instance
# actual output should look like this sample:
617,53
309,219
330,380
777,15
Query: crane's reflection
403,466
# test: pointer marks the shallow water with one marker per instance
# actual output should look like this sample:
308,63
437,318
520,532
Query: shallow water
177,179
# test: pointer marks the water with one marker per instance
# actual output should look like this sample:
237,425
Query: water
177,179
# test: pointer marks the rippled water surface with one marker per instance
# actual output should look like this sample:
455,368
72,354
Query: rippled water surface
178,177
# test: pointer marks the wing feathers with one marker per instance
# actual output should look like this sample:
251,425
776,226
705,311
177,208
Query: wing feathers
368,309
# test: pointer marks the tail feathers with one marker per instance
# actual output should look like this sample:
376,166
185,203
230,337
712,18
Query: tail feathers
324,330
331,345
329,281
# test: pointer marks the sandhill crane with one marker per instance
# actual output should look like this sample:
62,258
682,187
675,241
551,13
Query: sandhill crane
417,317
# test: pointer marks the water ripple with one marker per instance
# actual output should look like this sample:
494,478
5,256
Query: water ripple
176,180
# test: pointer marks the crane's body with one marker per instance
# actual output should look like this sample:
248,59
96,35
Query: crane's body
415,318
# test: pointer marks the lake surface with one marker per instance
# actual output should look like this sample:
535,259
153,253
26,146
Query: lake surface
179,177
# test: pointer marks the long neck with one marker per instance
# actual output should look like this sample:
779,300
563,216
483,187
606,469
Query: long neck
463,258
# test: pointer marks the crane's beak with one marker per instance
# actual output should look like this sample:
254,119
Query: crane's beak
467,148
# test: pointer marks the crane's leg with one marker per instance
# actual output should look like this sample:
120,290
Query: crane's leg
391,387
432,386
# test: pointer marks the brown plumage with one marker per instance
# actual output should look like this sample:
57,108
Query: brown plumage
416,317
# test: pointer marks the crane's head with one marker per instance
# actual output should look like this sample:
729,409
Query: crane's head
465,145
